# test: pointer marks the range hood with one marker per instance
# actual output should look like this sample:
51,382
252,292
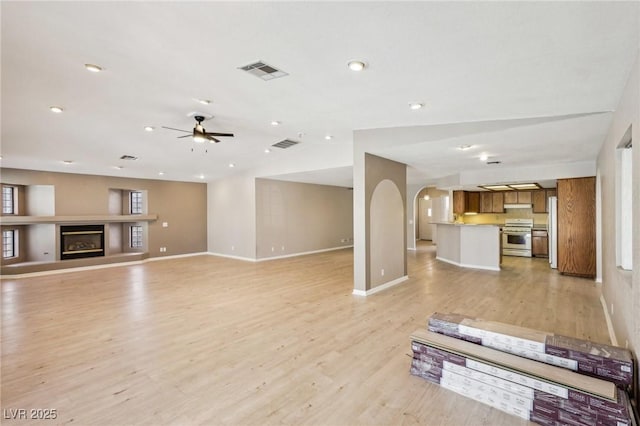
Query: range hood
517,206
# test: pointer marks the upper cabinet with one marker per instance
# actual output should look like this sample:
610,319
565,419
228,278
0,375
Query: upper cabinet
466,202
497,201
539,201
486,202
517,197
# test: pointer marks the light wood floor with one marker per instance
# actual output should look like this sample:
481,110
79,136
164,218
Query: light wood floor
207,340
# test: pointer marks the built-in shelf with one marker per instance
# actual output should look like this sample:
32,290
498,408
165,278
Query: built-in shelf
31,220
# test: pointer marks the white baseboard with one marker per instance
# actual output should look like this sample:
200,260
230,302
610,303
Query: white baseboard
304,253
95,267
465,265
229,256
284,256
175,256
384,286
607,317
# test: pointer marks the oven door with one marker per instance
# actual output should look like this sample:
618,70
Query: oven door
516,243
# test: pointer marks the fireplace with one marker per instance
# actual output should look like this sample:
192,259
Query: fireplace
80,241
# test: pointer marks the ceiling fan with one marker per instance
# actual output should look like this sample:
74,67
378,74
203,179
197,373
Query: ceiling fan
199,133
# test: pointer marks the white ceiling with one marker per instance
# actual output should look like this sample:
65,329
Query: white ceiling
541,76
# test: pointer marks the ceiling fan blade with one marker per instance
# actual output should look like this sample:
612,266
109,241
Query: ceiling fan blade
219,134
185,136
212,139
180,130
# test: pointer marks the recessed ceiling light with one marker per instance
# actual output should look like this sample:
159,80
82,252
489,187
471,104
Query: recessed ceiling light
231,165
67,162
204,101
161,173
301,135
118,167
484,157
416,105
201,176
93,68
56,109
524,186
149,129
267,150
328,137
464,147
496,187
275,123
356,65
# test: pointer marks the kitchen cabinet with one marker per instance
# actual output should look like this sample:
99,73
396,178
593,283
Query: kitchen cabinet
539,201
458,202
511,197
524,197
486,204
466,202
577,226
539,243
472,202
517,197
497,202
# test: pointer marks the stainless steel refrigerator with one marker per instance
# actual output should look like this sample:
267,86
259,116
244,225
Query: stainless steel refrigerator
552,231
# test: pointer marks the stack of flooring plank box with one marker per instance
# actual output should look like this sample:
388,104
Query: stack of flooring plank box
538,376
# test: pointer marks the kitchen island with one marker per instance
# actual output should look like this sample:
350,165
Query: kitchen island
469,246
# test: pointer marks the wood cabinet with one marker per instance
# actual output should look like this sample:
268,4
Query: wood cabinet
472,202
458,202
539,201
539,243
517,197
524,197
486,202
497,202
466,202
577,226
510,197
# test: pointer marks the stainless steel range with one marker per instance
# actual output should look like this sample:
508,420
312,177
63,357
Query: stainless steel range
516,237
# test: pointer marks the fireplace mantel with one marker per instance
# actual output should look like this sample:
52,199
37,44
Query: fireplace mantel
88,219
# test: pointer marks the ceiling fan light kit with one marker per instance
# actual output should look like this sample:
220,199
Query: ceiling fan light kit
199,133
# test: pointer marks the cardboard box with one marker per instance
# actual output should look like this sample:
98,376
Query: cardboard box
595,359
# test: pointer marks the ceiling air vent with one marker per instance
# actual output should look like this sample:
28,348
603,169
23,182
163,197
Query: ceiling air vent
284,144
128,157
264,71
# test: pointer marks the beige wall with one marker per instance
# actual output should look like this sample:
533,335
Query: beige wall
296,217
182,205
368,171
231,216
621,289
386,240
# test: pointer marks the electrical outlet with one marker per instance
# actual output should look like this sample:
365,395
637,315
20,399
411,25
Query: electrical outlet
382,272
626,344
233,248
273,248
282,248
165,224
